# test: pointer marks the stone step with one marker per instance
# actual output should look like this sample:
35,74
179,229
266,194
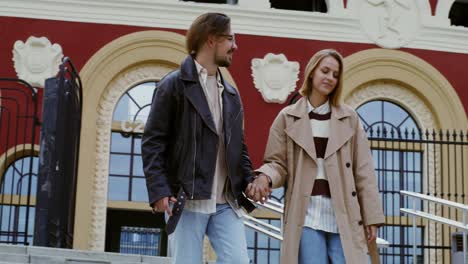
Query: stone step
13,249
41,255
14,258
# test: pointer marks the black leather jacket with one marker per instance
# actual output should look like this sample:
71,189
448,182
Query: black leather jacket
179,144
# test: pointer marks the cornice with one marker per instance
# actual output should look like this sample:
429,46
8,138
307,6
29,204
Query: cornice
339,25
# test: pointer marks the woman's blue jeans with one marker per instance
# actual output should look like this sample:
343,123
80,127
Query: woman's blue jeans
320,247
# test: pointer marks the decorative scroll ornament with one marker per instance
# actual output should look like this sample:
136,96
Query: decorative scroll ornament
390,23
36,60
275,77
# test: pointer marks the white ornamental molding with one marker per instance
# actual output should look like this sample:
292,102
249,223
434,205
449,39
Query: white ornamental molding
255,17
275,77
390,23
36,60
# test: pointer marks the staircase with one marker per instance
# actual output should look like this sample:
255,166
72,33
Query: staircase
13,254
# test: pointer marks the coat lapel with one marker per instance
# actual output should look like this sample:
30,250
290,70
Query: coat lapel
340,130
300,131
194,92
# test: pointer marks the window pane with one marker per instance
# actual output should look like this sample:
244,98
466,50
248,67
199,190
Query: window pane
13,224
386,116
397,170
119,164
137,145
7,217
134,102
278,195
118,188
138,166
399,236
263,249
139,191
143,93
23,185
16,177
119,143
370,112
143,114
393,113
121,111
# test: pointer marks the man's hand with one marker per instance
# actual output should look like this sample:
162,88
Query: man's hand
371,233
259,189
163,205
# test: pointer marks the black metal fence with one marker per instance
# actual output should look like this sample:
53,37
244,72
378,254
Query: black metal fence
18,162
429,162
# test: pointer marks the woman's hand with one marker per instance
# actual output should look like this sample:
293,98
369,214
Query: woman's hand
371,233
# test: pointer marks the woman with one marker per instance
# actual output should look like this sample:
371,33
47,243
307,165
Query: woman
319,151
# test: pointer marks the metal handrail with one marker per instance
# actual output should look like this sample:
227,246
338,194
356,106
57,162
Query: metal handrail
263,227
272,206
277,233
435,199
447,221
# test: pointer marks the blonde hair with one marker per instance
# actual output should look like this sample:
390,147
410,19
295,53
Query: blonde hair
306,88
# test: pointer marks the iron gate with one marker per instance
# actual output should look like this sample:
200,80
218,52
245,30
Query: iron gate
19,124
59,149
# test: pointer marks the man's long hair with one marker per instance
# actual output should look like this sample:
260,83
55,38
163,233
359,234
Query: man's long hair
204,26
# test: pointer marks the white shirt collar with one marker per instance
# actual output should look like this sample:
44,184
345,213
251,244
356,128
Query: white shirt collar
203,75
322,109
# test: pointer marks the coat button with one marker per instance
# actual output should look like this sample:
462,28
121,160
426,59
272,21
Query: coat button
353,193
360,222
348,164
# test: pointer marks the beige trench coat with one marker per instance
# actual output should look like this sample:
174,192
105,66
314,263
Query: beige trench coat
290,159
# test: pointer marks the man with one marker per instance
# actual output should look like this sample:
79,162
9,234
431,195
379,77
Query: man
194,155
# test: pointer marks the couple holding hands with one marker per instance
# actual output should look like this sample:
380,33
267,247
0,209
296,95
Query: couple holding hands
199,173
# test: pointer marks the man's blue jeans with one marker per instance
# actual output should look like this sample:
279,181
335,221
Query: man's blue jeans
320,247
224,229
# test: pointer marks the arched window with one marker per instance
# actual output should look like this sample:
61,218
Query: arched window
301,5
398,166
458,14
126,178
14,205
127,193
387,119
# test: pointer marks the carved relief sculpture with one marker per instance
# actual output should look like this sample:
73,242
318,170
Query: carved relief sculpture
275,77
390,23
36,60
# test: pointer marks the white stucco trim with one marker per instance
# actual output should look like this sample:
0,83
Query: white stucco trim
442,11
339,24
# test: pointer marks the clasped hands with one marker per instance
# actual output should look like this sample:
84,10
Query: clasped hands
259,190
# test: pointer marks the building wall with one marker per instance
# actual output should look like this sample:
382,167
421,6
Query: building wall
425,72
80,41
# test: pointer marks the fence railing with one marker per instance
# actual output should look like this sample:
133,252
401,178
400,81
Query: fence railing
19,123
433,217
430,162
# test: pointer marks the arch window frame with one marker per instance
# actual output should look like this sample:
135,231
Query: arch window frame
400,171
131,129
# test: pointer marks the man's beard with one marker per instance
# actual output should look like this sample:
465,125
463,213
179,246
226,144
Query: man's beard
222,61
